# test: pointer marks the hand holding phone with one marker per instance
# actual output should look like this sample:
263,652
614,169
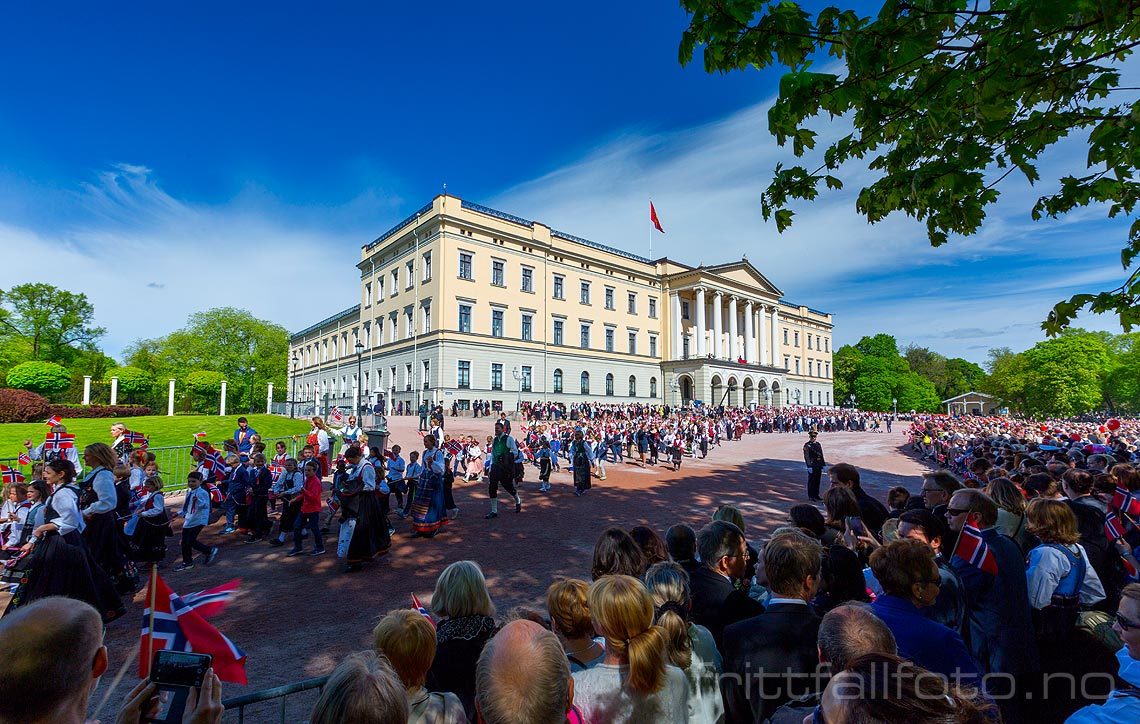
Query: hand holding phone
855,525
174,677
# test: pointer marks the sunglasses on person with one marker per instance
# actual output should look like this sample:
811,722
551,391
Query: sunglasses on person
1125,624
957,511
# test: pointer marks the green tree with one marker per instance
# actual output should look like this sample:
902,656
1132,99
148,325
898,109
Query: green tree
873,370
1007,377
963,376
53,323
1121,385
134,384
205,388
845,362
224,340
930,365
1064,374
45,378
939,93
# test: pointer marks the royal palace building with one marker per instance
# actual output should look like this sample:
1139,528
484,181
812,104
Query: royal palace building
460,302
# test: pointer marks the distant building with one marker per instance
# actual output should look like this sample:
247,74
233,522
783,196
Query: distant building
972,403
460,302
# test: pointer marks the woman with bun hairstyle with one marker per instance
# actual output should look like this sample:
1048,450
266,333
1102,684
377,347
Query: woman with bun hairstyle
635,682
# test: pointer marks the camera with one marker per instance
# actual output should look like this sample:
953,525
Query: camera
175,673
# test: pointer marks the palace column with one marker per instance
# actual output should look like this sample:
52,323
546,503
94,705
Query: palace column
777,359
749,334
733,345
718,325
762,334
675,324
700,321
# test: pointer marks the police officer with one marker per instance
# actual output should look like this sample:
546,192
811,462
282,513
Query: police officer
813,458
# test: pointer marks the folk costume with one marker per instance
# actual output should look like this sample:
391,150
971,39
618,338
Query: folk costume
152,526
100,502
357,492
504,451
288,490
59,564
582,458
257,518
429,513
11,530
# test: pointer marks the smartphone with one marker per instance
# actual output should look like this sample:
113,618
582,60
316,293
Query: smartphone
856,526
175,673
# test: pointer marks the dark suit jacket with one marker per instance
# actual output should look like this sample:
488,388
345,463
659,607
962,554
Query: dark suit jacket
717,604
760,652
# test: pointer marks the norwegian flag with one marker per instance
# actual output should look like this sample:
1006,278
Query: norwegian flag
24,459
212,601
422,610
1114,527
1126,502
974,550
137,438
182,626
453,447
53,421
276,470
10,475
336,415
214,462
59,441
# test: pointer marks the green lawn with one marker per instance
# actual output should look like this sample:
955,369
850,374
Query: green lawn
163,432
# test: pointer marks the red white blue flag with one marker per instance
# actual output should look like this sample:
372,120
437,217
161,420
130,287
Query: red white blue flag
973,549
59,441
136,438
181,626
336,415
1126,502
53,421
419,607
24,459
10,475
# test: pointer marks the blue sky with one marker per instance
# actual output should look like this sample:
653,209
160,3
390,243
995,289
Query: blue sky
167,159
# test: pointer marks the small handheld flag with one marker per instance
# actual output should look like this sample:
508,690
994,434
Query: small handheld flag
419,607
136,438
1126,502
10,475
53,421
973,549
171,623
336,415
59,441
24,459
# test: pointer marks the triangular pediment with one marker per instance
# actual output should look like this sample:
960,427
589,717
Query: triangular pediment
742,272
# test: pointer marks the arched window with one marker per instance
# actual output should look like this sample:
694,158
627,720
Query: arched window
557,382
653,387
632,386
585,383
609,385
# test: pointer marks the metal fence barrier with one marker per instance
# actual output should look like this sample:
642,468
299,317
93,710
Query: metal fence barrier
239,703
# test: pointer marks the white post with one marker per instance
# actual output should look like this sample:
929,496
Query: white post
114,390
86,389
222,402
170,399
762,313
733,344
269,400
776,357
700,322
749,334
718,325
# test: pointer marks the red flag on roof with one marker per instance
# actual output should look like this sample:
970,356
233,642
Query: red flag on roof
653,217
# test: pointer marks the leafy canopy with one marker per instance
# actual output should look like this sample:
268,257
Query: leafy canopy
48,323
42,377
873,370
947,98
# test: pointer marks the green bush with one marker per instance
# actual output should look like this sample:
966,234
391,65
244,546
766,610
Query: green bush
44,378
132,380
204,387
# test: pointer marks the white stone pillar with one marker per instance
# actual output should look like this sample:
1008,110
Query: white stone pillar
170,399
777,357
718,325
749,334
269,400
114,390
86,389
700,322
762,334
733,343
676,341
222,401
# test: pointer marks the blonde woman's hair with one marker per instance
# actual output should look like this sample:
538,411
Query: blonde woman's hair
102,454
461,590
364,689
668,584
622,610
569,610
407,639
730,514
1052,521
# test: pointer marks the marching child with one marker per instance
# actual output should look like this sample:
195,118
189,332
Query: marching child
148,540
260,481
310,511
412,474
288,489
543,456
195,515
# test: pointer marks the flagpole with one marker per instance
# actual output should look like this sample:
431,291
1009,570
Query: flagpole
150,624
651,231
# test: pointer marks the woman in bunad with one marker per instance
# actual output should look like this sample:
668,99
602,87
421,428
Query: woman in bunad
151,525
319,439
99,501
351,434
13,515
357,486
59,563
429,511
474,461
120,445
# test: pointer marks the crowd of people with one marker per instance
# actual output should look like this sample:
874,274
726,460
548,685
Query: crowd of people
1003,588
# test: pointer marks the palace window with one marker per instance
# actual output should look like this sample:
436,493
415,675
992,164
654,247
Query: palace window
526,378
427,266
585,383
609,385
464,317
609,340
559,287
632,386
609,298
527,326
558,382
496,376
585,293
410,274
496,323
497,273
631,304
633,342
465,266
527,279
653,387
464,378
585,340
684,310
652,308
558,331
652,346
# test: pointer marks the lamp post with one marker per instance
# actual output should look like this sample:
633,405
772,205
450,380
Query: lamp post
293,393
895,407
518,383
359,347
252,378
852,399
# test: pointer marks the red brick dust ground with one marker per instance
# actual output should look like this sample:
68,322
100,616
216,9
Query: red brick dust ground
298,617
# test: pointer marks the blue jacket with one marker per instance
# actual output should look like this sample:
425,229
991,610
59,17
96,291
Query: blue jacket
242,438
928,644
999,624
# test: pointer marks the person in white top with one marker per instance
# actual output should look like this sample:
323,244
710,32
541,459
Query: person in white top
635,682
37,452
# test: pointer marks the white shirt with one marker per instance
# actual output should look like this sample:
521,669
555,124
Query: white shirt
1047,566
65,503
104,486
603,697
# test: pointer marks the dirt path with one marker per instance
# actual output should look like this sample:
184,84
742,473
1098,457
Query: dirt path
297,617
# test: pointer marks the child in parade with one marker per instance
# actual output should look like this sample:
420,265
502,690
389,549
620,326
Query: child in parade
395,477
237,495
195,516
310,511
148,538
543,457
13,515
288,489
412,476
260,483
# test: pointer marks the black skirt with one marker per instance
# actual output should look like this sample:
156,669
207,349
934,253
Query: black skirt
61,565
148,544
104,537
370,537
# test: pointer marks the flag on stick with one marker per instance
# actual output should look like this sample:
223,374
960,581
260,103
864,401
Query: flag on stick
973,549
653,217
136,438
422,609
1126,502
53,421
24,459
59,441
337,416
10,475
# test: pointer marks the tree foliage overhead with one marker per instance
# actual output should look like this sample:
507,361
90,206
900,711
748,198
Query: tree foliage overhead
947,98
48,323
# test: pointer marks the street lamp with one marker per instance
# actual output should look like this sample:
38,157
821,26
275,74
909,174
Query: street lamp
293,394
359,359
895,407
252,377
518,379
852,398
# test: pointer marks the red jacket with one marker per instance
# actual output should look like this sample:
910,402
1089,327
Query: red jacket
311,495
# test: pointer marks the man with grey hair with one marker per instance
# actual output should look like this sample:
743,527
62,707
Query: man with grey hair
845,633
523,677
716,601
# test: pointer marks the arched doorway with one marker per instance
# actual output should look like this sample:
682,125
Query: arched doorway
686,384
776,397
716,390
763,394
733,399
749,392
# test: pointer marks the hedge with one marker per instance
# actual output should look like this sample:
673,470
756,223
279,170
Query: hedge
79,411
22,406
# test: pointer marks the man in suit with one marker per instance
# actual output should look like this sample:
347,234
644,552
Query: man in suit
999,623
716,603
771,658
813,458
